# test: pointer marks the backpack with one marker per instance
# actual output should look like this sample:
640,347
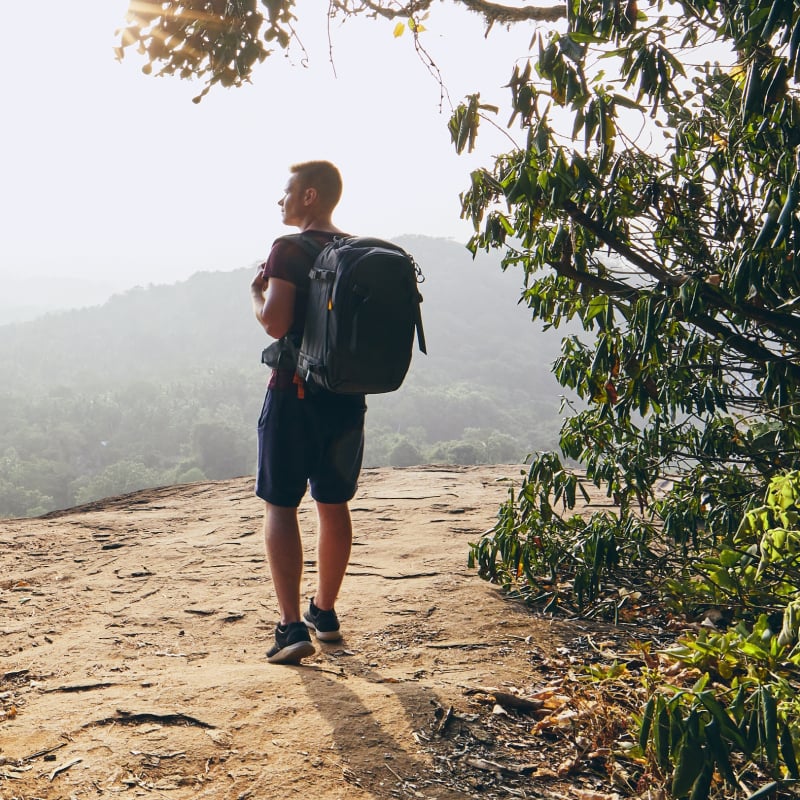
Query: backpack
363,311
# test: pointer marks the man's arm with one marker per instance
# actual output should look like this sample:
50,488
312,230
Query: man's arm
273,304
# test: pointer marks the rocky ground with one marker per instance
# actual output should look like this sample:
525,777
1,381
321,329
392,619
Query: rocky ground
132,641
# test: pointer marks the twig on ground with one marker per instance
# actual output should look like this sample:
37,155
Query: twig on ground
64,767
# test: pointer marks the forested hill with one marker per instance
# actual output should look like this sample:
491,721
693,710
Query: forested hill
163,384
206,323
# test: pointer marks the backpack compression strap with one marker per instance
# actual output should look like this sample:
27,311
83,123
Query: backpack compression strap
418,326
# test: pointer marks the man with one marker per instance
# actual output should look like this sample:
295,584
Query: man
305,438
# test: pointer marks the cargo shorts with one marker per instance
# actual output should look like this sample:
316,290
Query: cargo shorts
314,441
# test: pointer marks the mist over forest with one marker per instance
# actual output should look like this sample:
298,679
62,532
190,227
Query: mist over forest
163,385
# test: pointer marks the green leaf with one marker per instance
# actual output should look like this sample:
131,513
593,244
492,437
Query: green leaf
586,38
661,735
689,764
727,726
626,102
720,752
765,791
769,715
787,752
597,305
702,785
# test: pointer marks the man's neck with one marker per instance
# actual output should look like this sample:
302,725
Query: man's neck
324,226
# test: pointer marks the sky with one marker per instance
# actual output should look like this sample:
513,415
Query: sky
115,179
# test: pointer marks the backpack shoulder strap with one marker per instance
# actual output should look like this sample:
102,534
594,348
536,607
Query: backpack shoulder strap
304,240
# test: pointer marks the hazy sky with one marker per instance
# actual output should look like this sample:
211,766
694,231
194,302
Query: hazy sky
109,175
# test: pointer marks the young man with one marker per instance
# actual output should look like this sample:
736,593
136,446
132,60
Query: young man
305,438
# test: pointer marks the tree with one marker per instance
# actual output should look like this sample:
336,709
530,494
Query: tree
405,454
119,478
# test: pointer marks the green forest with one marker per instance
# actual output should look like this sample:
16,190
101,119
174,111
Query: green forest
163,385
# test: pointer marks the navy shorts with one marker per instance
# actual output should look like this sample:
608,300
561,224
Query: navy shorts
316,441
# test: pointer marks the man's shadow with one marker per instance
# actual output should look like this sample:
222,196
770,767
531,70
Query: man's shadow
379,761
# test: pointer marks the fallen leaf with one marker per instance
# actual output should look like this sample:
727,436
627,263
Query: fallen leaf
566,766
544,772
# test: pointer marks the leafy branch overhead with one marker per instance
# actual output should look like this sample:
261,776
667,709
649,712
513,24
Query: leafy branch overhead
222,41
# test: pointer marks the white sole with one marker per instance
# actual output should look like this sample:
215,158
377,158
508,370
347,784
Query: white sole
292,653
323,636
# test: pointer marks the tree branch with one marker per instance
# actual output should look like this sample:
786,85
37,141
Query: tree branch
608,238
785,322
491,12
742,344
494,12
713,327
611,288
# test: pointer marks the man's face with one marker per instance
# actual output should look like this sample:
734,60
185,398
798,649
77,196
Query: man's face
291,203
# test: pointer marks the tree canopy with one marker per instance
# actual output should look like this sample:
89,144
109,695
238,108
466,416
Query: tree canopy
222,41
654,202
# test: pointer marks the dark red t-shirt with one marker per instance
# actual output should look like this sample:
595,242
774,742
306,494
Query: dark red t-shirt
290,261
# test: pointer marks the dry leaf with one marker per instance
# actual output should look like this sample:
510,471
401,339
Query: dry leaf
556,701
544,772
566,766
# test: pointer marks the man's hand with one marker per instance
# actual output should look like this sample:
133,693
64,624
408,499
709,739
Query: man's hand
259,283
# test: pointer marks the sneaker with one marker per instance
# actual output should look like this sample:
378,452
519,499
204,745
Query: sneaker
292,643
325,623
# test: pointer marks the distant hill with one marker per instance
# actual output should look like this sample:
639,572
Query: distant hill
52,293
470,312
164,384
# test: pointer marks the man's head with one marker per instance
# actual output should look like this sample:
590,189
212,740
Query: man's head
322,176
313,190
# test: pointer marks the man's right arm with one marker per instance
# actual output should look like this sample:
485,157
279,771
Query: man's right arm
273,304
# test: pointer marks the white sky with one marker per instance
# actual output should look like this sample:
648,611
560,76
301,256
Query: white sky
109,175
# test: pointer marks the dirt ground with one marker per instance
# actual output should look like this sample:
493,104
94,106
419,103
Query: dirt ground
133,634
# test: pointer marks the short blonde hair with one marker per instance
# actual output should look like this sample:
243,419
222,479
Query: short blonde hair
322,176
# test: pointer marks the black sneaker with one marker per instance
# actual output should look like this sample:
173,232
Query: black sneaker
325,623
292,643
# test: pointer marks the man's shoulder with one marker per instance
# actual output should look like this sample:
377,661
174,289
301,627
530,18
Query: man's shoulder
308,242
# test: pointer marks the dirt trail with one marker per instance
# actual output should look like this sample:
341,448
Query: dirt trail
133,633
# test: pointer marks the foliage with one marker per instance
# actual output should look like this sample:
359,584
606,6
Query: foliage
738,721
756,569
704,747
737,724
680,265
69,447
222,41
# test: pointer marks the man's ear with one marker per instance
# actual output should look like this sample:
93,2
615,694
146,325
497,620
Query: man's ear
310,196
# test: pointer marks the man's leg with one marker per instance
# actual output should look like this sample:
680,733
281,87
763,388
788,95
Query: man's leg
285,556
333,551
